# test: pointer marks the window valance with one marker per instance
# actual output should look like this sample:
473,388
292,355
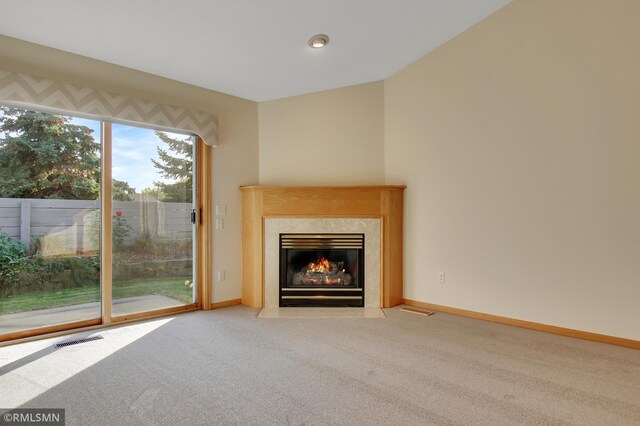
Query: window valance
27,90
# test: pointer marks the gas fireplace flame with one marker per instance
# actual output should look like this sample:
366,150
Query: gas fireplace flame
321,265
323,272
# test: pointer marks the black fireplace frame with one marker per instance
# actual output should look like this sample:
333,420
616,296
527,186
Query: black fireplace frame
321,296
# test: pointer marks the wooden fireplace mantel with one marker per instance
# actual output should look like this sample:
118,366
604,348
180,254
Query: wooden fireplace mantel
383,201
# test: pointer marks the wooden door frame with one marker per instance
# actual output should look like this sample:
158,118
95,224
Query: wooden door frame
204,230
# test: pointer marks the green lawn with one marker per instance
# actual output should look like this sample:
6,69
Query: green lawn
170,287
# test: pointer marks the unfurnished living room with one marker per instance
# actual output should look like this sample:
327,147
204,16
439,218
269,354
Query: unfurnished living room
288,212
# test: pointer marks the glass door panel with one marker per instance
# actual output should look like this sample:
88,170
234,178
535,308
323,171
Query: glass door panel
152,191
49,220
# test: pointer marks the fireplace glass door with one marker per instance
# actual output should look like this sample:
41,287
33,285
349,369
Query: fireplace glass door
322,270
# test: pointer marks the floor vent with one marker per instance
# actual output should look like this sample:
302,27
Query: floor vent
417,311
75,342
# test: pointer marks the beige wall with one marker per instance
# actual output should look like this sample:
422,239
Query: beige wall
331,137
519,143
235,160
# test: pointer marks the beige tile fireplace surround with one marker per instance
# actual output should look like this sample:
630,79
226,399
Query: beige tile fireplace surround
375,211
274,226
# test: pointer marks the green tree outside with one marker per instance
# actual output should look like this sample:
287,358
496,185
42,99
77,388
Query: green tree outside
45,156
42,155
121,191
178,166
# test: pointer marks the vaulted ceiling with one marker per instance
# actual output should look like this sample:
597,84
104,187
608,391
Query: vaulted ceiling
254,49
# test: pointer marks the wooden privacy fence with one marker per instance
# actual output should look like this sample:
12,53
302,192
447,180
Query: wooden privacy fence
71,226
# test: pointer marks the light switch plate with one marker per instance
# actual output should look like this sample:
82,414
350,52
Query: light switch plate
221,210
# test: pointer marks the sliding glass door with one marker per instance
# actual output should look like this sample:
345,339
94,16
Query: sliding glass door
97,223
152,227
49,220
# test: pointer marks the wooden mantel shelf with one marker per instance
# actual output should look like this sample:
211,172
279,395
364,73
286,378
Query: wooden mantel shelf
325,188
376,201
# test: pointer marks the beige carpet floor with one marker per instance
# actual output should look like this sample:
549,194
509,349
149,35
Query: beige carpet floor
228,367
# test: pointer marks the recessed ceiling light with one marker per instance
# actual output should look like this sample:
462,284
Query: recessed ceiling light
318,41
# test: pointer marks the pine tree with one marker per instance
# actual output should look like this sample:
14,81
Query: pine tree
178,167
44,156
121,191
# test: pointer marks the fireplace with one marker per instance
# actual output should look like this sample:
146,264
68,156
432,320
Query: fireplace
322,270
375,211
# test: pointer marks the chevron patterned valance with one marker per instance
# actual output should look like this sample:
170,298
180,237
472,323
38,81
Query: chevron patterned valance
26,90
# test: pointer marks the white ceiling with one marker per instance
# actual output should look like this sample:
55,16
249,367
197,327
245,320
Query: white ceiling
255,49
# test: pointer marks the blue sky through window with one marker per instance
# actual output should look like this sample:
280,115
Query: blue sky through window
132,151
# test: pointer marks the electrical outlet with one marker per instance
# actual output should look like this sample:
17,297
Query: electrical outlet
441,277
221,275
